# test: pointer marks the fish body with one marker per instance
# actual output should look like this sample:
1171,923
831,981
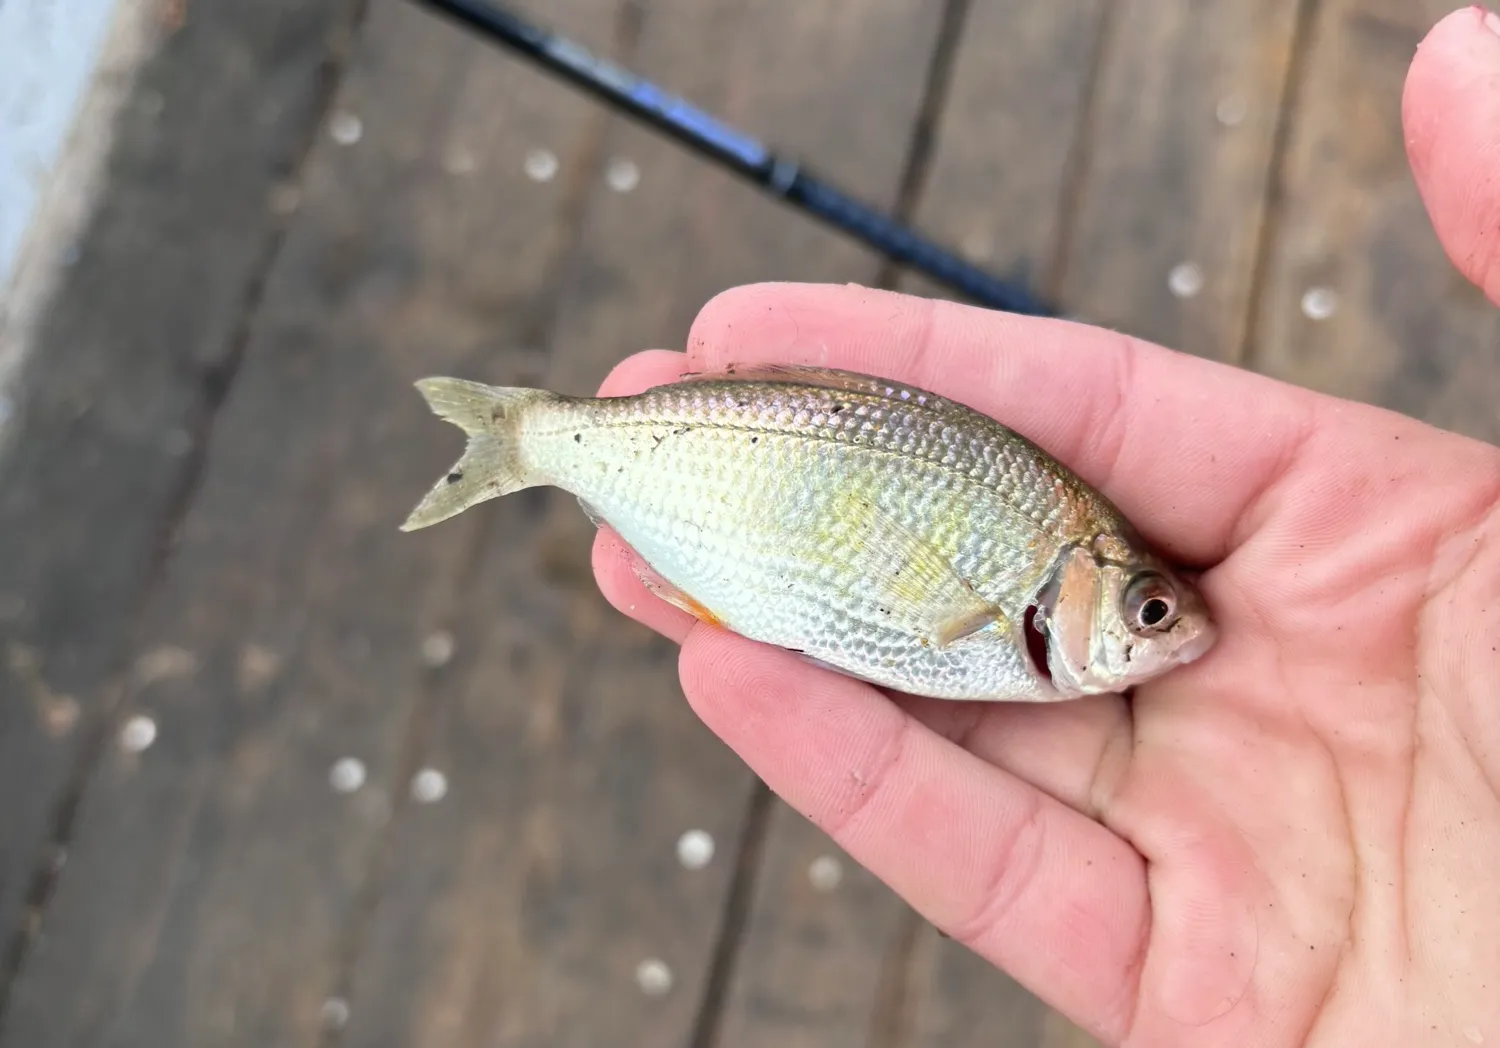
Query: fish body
896,536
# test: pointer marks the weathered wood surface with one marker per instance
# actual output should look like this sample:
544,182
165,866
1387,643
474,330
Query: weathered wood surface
1010,143
215,879
1177,170
128,365
1390,320
824,954
217,890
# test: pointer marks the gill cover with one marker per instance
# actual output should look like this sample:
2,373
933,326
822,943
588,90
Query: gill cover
1069,621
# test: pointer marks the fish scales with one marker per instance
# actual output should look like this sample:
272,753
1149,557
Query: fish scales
763,463
787,511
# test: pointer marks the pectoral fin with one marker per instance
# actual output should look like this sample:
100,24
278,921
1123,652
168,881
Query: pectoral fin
966,623
911,580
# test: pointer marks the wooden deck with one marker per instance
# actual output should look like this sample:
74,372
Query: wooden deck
314,203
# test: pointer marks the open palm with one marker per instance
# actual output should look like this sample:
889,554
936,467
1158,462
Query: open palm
1290,842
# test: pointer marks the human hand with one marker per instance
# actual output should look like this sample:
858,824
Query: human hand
1288,842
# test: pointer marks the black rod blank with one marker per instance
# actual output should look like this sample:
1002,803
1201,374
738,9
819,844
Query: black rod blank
738,152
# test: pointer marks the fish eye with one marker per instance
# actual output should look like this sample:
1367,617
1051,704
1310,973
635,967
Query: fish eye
1150,603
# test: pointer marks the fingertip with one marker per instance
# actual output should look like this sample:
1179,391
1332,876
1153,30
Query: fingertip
744,300
1450,110
787,321
1455,50
640,371
721,313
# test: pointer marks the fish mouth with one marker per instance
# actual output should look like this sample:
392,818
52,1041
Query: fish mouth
1200,644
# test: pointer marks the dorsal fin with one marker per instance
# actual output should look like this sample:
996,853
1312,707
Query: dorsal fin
827,378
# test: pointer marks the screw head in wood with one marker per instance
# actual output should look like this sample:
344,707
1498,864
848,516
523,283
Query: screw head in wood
825,873
653,977
347,774
138,734
541,165
1185,280
429,786
1319,303
346,128
695,849
622,175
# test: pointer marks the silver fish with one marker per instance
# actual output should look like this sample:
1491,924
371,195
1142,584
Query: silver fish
894,535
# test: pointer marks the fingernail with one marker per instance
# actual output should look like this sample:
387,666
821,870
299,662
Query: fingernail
1491,20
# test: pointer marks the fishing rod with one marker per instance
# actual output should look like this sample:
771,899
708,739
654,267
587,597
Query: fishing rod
738,152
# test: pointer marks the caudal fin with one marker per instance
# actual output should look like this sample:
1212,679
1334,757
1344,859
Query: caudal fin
490,465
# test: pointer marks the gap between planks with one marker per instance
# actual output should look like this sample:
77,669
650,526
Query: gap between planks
738,902
1076,167
922,147
1275,193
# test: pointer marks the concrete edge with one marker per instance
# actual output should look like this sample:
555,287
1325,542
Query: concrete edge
66,205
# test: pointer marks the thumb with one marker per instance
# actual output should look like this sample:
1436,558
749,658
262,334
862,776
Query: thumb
1451,112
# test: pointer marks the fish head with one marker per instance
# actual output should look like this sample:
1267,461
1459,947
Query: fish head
1111,622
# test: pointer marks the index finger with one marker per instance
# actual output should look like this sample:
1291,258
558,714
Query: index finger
1182,445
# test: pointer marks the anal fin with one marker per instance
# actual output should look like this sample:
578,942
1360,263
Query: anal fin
595,517
663,589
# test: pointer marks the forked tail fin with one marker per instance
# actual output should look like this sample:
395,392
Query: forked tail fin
491,463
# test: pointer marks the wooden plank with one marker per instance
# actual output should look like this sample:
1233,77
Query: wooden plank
520,908
1392,321
1149,178
962,1000
838,84
824,954
1176,170
216,876
1006,147
123,364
